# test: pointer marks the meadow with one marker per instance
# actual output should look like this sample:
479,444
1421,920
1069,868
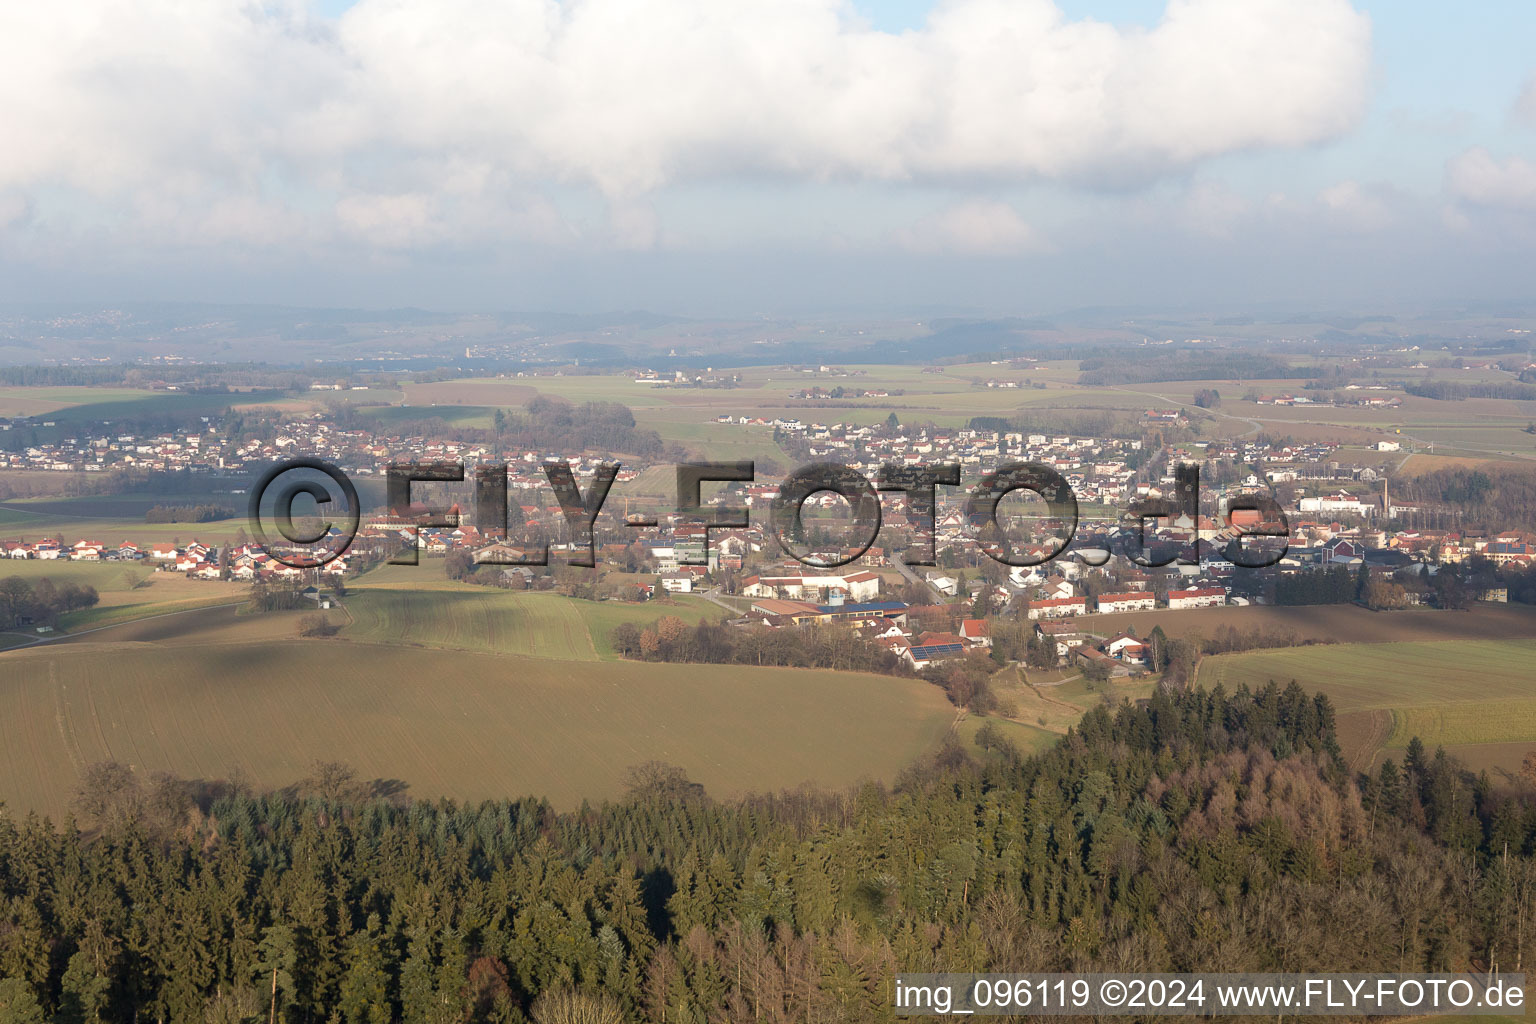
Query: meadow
1343,624
1477,698
468,726
445,688
1051,702
487,620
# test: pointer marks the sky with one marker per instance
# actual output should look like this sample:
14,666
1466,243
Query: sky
771,157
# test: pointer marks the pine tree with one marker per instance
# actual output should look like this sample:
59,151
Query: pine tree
84,992
364,997
18,1003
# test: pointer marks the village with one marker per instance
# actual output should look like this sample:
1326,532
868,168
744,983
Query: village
1338,516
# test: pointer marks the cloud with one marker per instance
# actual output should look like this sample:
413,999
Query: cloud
1212,209
1478,178
972,228
14,209
1524,110
366,122
1358,207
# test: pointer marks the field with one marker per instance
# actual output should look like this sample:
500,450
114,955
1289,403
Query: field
687,416
470,726
602,616
1339,623
25,401
113,519
446,688
1475,697
125,591
534,625
1389,675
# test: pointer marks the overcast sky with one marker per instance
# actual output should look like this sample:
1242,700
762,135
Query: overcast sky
771,156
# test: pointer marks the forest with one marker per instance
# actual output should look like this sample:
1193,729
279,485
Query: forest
1203,831
1131,366
1493,496
188,514
1452,391
40,602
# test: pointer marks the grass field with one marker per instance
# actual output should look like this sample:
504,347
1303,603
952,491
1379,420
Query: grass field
1475,697
449,689
487,620
468,725
1339,623
124,590
104,576
26,401
602,616
1390,675
532,624
1028,739
113,520
1054,701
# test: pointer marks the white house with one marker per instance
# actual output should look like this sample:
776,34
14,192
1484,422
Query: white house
680,583
1134,601
1200,597
1058,608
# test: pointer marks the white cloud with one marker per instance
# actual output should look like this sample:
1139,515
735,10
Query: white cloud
1358,207
1212,209
634,225
1478,178
1524,110
390,221
972,228
631,95
14,209
368,122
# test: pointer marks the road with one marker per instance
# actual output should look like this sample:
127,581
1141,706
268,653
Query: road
714,597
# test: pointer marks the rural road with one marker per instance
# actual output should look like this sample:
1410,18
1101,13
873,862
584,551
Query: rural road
712,595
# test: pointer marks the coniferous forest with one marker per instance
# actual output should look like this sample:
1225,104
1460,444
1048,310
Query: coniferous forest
1203,831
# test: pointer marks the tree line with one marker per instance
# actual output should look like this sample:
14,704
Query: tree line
43,602
1491,496
188,514
827,646
1450,391
1130,366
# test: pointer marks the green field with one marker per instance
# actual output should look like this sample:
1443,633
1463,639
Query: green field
602,616
104,576
467,617
29,401
495,621
1452,725
464,725
1475,697
1392,675
1027,739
